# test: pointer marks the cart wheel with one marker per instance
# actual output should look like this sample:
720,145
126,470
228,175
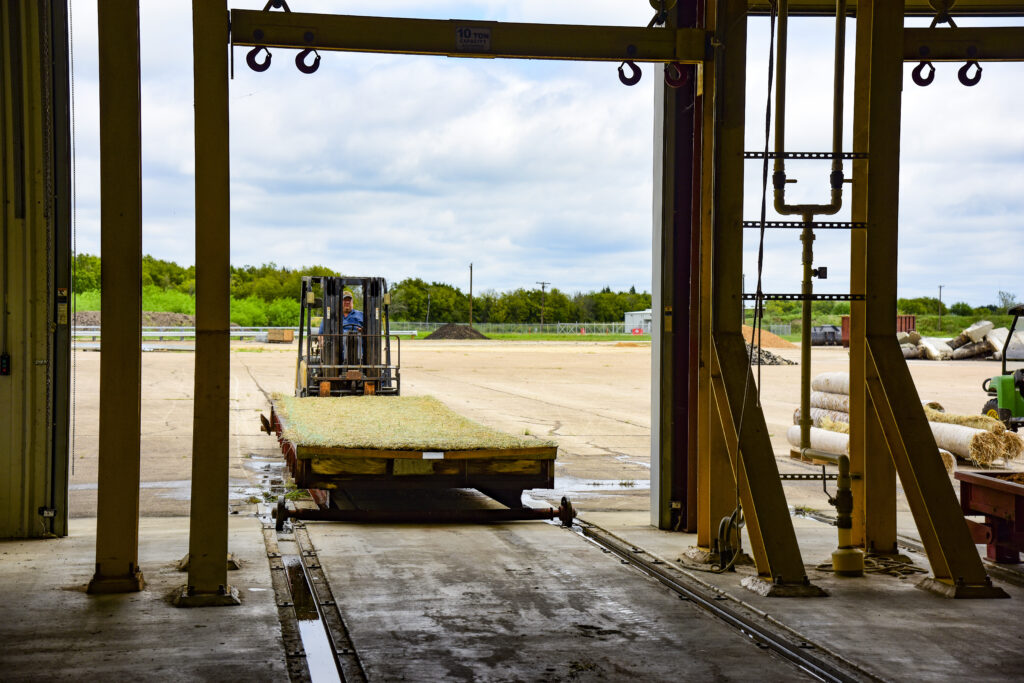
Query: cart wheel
566,513
280,514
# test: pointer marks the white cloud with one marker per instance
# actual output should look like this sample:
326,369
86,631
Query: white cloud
416,166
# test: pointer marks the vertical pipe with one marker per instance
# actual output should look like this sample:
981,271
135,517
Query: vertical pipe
807,289
208,526
117,523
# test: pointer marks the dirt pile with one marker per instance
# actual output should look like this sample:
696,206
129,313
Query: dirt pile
455,331
149,319
768,340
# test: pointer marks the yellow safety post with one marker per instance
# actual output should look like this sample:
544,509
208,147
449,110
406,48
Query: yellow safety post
117,523
955,562
208,526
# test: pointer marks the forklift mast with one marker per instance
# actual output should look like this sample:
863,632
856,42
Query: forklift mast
336,359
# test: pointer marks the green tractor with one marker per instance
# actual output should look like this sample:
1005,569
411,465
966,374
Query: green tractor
1007,388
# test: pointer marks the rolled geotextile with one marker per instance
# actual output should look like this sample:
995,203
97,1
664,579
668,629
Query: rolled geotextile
819,414
982,348
948,460
911,351
830,401
989,424
977,445
832,382
935,348
821,440
835,426
1013,445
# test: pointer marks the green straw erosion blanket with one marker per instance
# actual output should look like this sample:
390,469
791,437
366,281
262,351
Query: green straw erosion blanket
399,423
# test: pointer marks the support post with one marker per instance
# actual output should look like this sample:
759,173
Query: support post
674,315
737,413
874,491
897,409
208,526
117,523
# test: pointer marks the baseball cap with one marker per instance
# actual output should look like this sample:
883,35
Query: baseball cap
347,295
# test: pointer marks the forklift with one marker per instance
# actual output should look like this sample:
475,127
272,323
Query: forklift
336,359
1008,387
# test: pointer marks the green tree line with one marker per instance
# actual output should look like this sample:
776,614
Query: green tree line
268,295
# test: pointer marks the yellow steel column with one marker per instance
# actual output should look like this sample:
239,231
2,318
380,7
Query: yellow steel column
715,482
874,492
955,562
773,540
208,529
117,524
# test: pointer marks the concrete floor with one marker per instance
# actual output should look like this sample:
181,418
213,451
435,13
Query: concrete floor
52,630
597,620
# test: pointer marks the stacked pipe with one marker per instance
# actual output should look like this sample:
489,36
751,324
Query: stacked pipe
978,439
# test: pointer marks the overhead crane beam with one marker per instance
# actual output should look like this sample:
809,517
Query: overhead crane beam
913,8
459,38
981,44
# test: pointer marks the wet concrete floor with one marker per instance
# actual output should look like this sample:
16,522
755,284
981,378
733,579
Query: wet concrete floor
526,601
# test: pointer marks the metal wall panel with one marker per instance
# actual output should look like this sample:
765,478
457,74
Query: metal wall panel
33,153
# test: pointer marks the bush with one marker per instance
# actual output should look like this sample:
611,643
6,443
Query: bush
248,312
87,301
155,298
283,313
961,308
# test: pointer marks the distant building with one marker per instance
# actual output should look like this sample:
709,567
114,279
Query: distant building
638,320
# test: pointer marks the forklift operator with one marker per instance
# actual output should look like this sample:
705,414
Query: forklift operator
351,321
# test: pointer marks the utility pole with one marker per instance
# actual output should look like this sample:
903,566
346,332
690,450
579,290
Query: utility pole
543,298
471,295
940,305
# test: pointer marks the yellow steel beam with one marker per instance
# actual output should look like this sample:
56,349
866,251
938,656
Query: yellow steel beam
467,38
918,8
769,525
117,523
716,484
208,526
955,561
744,432
890,389
874,198
981,44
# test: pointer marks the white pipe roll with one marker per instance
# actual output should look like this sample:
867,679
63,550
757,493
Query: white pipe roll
821,440
832,382
818,413
830,401
981,446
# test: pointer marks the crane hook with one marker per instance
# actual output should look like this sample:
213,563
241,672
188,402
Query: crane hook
919,78
675,77
632,79
250,59
300,61
969,80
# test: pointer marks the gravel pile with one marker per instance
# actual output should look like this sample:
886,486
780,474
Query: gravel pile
149,319
455,331
765,357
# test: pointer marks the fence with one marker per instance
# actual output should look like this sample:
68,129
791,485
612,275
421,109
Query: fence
418,328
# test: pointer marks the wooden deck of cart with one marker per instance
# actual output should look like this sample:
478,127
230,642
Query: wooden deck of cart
396,441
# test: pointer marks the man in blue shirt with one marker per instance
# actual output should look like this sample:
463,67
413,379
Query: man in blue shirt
351,321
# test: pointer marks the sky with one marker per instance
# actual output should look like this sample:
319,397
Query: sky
407,166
